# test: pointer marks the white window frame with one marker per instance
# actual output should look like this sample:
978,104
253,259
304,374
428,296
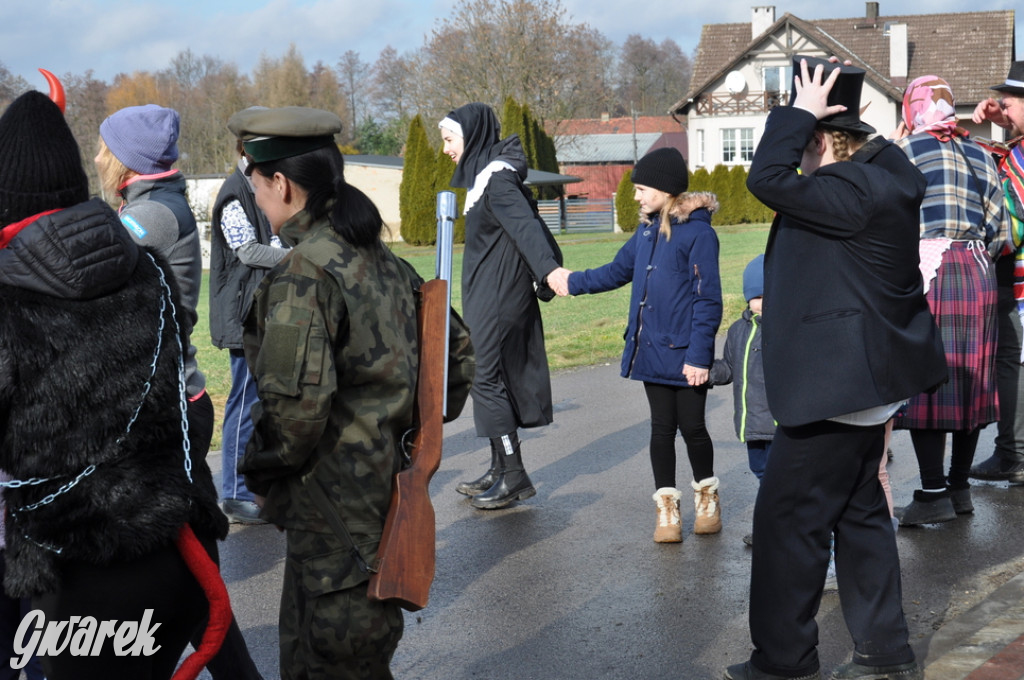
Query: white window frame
784,75
737,145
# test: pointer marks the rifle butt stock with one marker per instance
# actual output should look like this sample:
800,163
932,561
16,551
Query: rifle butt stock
406,556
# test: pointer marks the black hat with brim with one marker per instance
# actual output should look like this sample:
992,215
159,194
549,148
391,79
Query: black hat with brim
846,91
1014,81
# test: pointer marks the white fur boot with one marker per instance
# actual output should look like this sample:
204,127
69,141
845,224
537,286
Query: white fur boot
668,529
705,502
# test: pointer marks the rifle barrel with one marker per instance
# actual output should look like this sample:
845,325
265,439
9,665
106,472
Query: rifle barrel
446,213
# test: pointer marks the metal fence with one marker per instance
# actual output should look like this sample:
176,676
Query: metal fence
578,214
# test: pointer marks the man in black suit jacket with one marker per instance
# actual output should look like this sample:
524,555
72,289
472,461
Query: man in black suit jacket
847,338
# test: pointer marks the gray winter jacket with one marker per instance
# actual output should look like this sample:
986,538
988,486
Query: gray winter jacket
157,215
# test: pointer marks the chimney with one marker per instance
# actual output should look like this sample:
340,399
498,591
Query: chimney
898,54
761,19
871,11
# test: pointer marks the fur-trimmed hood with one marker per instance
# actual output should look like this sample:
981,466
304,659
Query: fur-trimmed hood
686,205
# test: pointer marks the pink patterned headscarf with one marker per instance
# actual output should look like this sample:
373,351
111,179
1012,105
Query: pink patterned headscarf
928,106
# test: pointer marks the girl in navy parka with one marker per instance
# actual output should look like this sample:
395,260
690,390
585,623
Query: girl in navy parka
675,310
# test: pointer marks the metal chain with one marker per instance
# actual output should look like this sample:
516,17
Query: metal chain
18,483
64,488
186,444
165,300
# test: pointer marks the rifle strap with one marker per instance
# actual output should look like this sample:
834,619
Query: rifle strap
333,519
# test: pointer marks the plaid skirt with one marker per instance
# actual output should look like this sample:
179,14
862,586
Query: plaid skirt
962,298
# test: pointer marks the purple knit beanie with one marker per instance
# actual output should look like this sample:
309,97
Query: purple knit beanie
144,138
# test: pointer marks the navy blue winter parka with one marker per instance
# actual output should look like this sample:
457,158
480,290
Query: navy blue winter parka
675,307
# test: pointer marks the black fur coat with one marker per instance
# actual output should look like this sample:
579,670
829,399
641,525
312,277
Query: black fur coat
83,313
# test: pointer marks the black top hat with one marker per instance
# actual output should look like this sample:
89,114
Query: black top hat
1014,80
845,91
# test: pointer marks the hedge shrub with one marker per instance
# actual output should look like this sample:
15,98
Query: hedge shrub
736,204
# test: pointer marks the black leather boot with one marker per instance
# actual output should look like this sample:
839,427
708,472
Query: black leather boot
512,484
478,486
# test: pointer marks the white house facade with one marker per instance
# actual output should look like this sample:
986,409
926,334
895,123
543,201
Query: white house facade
742,71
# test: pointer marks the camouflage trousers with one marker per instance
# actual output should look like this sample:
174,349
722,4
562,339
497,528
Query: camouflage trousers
329,629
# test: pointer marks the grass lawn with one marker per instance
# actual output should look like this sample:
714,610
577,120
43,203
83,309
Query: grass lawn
578,331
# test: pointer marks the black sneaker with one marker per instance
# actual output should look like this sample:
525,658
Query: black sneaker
999,469
746,671
961,498
927,508
241,512
856,671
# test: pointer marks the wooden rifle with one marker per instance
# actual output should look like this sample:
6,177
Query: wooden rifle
406,556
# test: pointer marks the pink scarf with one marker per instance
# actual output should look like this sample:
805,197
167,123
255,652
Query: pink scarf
928,106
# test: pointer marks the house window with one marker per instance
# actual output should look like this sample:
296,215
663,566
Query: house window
777,78
700,149
737,145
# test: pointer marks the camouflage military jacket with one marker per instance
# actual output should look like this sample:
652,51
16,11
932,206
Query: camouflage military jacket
331,341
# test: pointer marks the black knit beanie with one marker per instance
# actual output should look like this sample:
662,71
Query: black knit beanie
662,169
40,164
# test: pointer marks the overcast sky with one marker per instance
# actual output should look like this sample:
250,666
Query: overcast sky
114,36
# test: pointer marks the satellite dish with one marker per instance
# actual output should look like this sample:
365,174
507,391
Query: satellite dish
735,82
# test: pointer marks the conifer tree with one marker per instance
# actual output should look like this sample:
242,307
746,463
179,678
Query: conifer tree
529,137
416,192
408,161
512,121
626,210
443,169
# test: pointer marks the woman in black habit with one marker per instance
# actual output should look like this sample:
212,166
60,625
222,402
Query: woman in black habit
509,252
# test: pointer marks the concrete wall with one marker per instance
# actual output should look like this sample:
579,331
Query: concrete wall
381,185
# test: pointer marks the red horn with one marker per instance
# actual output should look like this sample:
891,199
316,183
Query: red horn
56,89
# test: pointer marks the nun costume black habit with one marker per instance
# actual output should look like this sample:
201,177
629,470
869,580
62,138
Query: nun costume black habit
509,252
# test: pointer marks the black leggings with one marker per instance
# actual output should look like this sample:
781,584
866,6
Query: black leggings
679,409
930,447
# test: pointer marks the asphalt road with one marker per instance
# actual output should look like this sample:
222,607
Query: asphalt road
569,584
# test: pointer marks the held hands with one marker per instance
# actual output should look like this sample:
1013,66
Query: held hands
695,376
812,93
558,280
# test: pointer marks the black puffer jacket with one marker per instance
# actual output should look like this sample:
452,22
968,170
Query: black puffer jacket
83,313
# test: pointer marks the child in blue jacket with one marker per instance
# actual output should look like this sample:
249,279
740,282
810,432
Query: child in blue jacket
675,309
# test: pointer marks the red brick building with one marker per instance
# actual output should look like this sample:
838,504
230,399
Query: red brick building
601,150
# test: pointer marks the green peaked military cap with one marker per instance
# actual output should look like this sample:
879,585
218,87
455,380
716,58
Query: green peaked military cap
272,134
